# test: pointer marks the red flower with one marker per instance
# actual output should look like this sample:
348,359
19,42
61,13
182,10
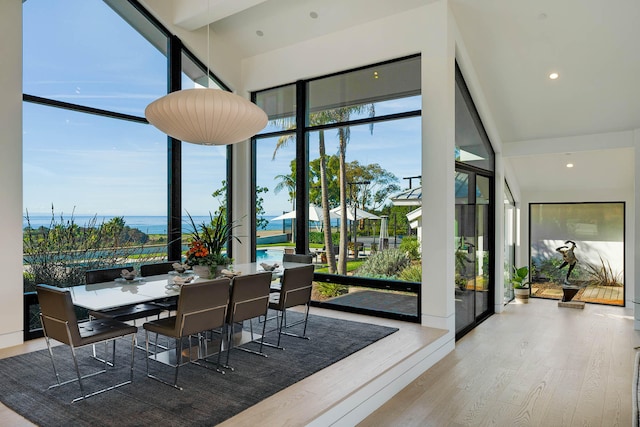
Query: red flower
197,249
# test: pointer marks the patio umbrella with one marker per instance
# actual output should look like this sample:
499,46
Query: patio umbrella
315,214
360,214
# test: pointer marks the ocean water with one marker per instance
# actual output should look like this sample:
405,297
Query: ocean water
146,224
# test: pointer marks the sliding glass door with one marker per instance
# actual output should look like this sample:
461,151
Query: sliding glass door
473,276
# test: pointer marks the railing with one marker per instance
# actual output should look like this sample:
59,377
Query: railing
365,282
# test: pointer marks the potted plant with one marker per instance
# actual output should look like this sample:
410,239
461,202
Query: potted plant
208,240
520,283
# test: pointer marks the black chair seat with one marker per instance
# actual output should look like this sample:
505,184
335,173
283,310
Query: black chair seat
94,331
169,304
127,313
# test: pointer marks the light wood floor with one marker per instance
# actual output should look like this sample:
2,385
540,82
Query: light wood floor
535,364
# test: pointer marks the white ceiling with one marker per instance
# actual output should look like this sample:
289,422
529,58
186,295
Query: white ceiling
513,45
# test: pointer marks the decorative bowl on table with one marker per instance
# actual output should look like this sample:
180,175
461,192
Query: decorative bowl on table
269,267
179,281
230,274
179,267
128,275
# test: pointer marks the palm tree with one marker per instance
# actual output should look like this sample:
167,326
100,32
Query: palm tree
288,182
342,115
337,115
326,219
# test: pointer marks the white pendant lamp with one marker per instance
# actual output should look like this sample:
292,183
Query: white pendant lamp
206,116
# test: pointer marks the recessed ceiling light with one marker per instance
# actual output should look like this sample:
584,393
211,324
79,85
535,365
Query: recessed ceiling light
375,75
569,165
314,15
554,76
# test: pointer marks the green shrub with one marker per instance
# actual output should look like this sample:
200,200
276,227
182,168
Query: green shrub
331,290
413,273
411,246
318,238
60,254
385,264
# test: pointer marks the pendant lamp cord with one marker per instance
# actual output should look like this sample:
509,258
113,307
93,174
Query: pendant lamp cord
208,39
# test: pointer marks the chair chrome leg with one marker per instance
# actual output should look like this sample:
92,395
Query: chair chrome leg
283,321
133,340
279,323
228,332
146,340
178,361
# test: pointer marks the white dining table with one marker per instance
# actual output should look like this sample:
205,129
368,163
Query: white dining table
120,292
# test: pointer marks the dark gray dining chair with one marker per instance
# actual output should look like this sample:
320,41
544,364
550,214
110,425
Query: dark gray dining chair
202,307
156,269
249,300
299,258
125,313
59,323
296,289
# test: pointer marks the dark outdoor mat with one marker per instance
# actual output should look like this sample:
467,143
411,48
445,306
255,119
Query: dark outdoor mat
208,397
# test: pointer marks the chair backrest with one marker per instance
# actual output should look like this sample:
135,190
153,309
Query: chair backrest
202,306
296,286
249,296
303,259
104,274
58,315
156,268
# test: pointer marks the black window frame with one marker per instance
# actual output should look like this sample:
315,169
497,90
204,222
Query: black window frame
302,157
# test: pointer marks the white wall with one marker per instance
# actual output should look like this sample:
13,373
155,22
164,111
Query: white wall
11,173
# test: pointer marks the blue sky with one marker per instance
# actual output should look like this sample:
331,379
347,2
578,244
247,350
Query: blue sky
80,51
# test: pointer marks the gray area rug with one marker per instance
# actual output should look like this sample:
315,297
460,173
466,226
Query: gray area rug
208,397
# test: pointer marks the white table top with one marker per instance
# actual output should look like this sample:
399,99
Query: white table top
255,267
118,293
102,296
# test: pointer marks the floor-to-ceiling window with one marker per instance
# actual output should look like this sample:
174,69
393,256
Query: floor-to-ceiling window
474,237
90,68
577,251
89,155
337,151
510,229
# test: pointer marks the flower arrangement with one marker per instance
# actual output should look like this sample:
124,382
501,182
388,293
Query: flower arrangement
208,240
198,254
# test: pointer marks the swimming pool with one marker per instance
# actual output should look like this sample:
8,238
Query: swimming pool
269,255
